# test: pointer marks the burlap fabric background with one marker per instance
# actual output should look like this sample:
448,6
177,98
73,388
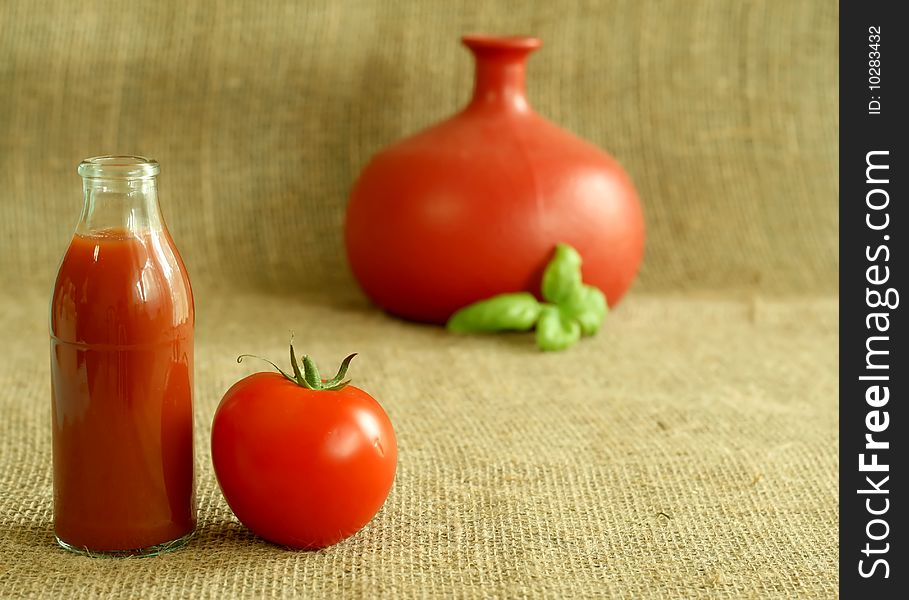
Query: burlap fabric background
688,450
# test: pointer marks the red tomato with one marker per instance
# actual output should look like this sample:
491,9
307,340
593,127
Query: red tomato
302,467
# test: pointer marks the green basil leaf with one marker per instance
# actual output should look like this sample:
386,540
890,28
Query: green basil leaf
588,307
562,276
555,330
506,312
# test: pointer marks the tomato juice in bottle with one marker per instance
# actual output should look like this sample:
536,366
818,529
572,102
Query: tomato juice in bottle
121,326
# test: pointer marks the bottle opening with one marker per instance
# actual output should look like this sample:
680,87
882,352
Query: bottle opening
119,167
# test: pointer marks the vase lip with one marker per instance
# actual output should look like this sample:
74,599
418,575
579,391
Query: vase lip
123,166
476,41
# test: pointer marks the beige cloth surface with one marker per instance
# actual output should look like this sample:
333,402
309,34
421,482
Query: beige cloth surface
689,450
263,113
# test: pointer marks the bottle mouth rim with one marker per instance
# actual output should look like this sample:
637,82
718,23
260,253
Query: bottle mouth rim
122,166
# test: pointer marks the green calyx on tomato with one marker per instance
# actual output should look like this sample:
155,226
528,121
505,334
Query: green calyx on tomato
572,308
309,376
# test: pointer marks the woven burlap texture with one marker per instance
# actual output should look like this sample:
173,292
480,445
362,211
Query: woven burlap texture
263,113
689,450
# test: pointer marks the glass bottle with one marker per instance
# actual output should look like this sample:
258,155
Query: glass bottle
121,329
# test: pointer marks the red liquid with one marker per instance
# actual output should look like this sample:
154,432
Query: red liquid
121,365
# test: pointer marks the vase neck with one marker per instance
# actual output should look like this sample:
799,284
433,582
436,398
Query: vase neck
500,71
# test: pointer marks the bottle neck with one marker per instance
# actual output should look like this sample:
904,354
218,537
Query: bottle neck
501,64
120,205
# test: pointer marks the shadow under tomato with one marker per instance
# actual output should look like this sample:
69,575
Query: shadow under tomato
228,534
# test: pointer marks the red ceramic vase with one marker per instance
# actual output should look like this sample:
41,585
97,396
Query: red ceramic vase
474,206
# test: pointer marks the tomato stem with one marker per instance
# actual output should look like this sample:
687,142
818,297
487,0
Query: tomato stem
309,376
311,373
293,360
